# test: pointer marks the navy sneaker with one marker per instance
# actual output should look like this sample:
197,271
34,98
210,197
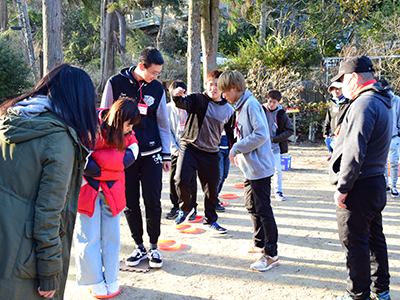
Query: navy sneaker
380,296
183,217
215,228
219,208
173,213
193,216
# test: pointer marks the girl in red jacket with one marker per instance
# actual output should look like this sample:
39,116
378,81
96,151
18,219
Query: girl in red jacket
102,198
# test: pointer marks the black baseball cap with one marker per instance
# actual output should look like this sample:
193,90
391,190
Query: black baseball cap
354,64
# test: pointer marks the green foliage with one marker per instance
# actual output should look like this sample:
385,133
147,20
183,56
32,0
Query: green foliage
136,41
81,39
174,42
354,10
291,51
315,113
324,23
14,72
228,42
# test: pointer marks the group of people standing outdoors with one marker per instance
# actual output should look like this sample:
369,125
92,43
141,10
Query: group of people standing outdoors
66,165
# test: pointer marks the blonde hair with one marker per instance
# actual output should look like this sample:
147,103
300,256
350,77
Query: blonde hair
229,79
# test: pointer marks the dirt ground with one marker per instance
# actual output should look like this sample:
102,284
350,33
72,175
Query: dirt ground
216,266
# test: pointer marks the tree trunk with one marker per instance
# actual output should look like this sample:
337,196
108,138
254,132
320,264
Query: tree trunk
107,48
160,28
209,34
52,34
194,51
122,37
263,24
26,34
3,16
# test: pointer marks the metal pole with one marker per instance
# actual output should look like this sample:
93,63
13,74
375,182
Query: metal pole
294,127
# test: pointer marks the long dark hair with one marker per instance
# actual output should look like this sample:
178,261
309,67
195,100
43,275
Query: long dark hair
72,96
122,110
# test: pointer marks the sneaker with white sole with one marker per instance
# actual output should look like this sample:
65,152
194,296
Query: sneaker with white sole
394,193
173,213
183,217
215,228
113,289
265,263
155,260
380,296
345,297
99,290
136,257
279,196
387,189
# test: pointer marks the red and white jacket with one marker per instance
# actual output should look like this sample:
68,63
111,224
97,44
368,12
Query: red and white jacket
105,169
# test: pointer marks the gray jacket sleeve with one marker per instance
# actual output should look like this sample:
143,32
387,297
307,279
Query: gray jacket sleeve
397,107
255,119
163,128
108,97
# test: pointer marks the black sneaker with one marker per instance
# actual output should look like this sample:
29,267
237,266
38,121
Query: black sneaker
215,228
387,189
219,208
136,257
183,217
193,216
173,213
394,193
155,260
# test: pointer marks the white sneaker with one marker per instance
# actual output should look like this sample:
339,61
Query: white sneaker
113,289
279,196
265,263
394,193
155,260
98,290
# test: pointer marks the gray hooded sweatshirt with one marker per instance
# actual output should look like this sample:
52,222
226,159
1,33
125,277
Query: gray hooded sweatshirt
363,143
253,147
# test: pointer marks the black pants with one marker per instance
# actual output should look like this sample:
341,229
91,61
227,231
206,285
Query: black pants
172,187
191,159
258,203
146,170
362,238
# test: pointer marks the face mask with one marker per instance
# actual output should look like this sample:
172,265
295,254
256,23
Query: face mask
347,94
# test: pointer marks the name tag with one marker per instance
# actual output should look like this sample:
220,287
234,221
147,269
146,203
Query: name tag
143,109
181,127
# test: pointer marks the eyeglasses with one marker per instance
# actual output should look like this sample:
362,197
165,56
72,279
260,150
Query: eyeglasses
154,74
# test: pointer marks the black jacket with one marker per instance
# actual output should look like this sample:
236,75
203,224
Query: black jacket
284,131
205,121
335,115
153,132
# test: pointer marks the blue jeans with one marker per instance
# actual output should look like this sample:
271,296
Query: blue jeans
328,142
97,243
394,162
223,167
278,173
